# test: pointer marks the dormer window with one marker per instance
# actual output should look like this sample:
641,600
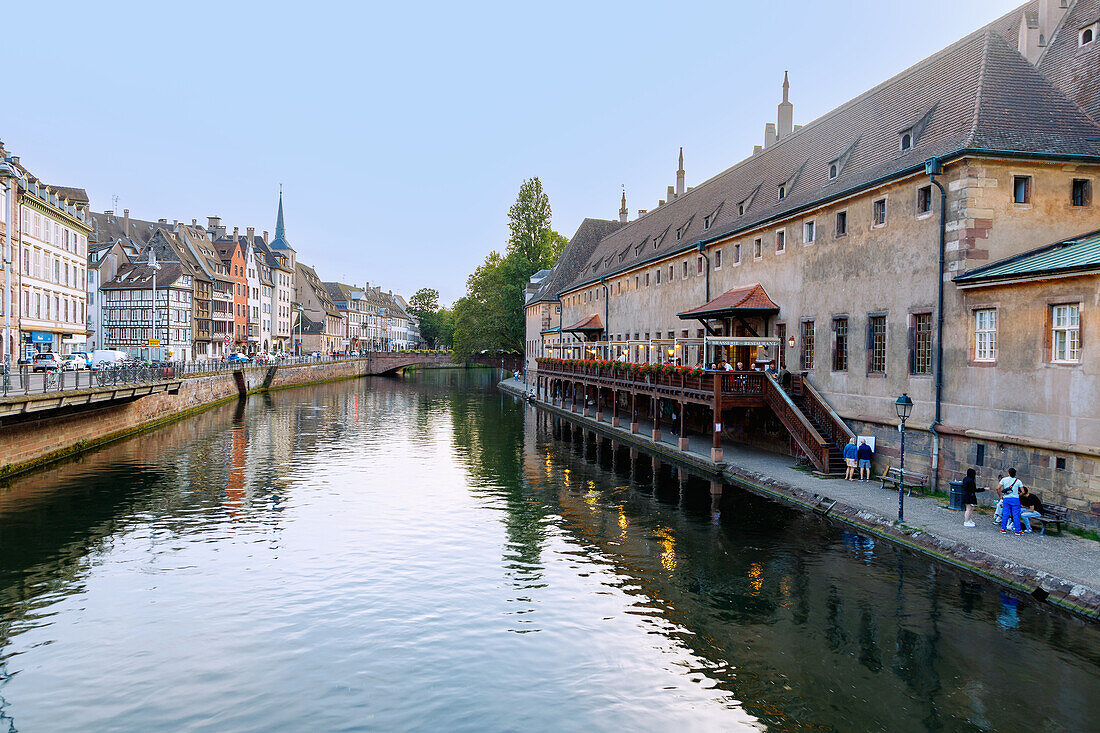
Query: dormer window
1087,35
782,191
656,242
741,209
706,223
833,170
906,140
679,233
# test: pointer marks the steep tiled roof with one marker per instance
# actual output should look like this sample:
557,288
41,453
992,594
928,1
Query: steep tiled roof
978,93
576,253
748,298
1071,68
107,227
138,276
1073,256
74,195
591,323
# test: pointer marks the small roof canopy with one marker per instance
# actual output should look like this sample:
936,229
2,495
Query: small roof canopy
750,300
1070,257
589,324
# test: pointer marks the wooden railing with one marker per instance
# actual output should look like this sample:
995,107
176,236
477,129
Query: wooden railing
697,386
812,402
808,439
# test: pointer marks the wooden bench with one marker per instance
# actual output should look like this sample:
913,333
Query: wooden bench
911,479
1052,514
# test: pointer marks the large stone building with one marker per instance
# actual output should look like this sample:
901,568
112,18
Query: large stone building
49,243
319,309
968,181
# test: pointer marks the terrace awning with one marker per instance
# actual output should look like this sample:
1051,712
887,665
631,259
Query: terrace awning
591,324
750,300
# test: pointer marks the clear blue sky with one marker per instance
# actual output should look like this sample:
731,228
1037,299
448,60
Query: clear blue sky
402,131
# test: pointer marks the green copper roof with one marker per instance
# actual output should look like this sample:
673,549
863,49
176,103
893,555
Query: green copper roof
1063,258
279,242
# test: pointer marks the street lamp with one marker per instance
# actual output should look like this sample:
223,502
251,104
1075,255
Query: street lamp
300,310
904,407
8,174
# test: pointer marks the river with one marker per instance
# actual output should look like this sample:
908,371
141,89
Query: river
426,553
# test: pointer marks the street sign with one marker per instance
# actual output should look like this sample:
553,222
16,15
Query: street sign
228,340
154,342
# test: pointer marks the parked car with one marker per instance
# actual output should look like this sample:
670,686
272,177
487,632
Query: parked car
74,363
316,354
237,358
45,361
353,352
107,357
85,356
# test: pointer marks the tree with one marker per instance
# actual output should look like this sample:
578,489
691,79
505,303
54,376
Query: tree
490,316
436,323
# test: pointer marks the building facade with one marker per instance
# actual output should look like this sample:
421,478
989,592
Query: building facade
821,253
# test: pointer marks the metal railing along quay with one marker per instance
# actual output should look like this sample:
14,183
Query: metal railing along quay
24,380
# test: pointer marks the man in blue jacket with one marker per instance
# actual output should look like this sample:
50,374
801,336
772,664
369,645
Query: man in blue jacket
851,453
863,455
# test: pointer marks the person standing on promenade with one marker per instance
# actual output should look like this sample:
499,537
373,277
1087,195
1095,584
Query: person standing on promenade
850,455
863,457
970,496
1010,494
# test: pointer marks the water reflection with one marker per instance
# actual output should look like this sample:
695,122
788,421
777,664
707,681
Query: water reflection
426,553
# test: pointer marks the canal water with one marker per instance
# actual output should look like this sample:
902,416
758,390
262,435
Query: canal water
426,553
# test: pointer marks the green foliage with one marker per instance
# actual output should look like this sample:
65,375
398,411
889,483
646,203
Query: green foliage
436,323
490,316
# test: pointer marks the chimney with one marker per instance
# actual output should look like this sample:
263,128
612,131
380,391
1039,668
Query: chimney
770,137
642,212
126,222
15,159
251,232
623,213
265,236
236,232
680,174
670,194
757,149
159,221
786,111
194,222
175,223
212,222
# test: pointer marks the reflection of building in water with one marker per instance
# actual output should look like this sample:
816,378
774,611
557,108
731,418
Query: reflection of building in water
784,608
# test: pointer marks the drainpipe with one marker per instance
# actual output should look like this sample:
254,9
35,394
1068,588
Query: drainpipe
606,324
703,251
933,167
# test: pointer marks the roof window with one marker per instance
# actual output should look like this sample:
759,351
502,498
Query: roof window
782,191
1087,35
741,209
834,168
906,139
706,222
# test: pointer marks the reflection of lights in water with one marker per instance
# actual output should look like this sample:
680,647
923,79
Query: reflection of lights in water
756,578
549,466
785,590
668,548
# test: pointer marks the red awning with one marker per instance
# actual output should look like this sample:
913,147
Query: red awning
592,323
749,300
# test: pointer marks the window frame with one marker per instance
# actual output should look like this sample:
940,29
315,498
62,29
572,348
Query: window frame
978,355
780,241
926,212
843,213
874,351
1029,190
1053,329
806,355
874,212
841,342
809,231
718,259
1086,200
915,343
758,248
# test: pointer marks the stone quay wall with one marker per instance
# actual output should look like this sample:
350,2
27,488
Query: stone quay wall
48,436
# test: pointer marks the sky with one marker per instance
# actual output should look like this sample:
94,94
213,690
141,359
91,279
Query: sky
401,132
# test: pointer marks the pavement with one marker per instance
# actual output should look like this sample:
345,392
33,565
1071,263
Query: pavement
1065,556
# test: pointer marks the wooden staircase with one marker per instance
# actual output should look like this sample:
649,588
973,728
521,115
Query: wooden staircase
814,427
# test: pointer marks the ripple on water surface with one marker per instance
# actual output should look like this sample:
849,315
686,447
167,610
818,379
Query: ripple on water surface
425,554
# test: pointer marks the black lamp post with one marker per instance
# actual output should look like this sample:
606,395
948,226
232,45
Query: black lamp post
904,406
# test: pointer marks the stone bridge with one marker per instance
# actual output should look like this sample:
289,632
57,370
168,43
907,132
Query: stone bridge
388,362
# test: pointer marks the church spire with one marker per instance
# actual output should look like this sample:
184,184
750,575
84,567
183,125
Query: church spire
622,209
280,230
680,174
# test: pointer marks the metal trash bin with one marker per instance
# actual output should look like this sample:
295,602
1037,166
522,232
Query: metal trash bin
956,495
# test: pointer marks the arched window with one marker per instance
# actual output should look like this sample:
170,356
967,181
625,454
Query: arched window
1086,36
906,141
832,171
782,192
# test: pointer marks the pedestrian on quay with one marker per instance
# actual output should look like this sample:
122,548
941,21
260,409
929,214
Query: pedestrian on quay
851,454
1031,508
863,458
1010,496
970,496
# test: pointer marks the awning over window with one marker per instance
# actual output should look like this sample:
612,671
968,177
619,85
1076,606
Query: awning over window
590,324
750,300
